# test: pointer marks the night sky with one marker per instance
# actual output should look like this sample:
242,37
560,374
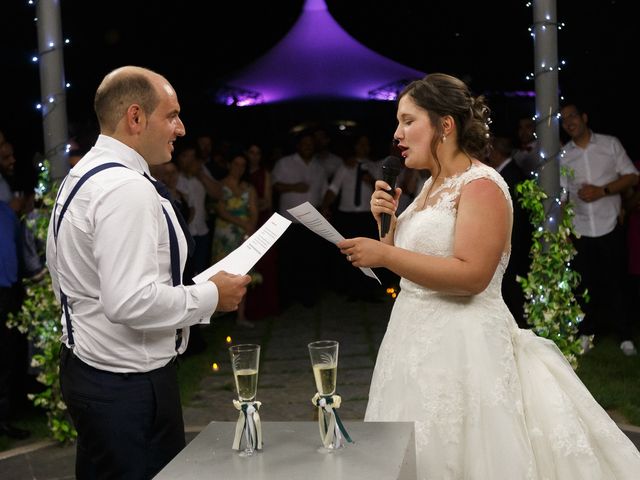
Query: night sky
485,43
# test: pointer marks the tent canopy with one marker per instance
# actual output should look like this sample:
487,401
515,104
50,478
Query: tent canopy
317,59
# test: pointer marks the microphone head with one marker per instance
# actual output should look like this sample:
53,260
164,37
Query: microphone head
392,165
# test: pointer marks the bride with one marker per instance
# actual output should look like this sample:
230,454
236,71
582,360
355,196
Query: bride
489,401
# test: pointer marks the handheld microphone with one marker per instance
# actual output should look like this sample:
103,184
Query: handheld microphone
391,168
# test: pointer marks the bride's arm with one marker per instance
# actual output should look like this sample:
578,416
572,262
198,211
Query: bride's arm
481,235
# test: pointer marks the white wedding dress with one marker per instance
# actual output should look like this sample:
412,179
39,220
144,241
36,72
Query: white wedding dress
490,401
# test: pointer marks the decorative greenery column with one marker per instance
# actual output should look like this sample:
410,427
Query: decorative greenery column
39,320
551,307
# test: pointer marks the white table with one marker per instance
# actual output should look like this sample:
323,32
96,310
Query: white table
382,451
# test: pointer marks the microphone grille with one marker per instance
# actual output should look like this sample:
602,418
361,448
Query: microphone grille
392,163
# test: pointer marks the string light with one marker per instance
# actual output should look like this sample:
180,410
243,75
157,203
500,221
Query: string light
551,307
546,118
54,99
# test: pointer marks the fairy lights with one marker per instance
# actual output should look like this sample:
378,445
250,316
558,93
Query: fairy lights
546,69
53,86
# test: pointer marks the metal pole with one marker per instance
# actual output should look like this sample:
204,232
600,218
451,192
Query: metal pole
52,87
547,123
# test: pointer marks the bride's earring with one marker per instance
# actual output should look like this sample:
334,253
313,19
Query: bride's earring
444,138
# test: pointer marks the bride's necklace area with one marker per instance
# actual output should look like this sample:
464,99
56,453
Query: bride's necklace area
437,183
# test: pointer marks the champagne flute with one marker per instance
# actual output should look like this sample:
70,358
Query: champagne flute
324,361
245,359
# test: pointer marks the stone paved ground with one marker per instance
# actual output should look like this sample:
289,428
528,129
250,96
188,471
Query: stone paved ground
285,384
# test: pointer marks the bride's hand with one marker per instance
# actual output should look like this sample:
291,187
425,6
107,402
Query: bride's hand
382,201
363,252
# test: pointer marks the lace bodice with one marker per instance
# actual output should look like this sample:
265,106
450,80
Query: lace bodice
431,230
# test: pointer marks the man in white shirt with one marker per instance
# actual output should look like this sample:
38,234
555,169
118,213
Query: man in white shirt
601,171
300,178
329,160
352,187
196,182
116,250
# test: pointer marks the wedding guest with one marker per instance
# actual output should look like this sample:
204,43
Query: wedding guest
521,233
351,189
10,295
526,155
329,160
189,181
298,178
601,170
7,169
236,218
264,297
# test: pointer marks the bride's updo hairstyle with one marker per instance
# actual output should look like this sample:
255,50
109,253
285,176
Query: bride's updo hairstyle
441,95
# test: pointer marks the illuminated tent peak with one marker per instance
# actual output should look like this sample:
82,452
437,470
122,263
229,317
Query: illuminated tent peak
317,59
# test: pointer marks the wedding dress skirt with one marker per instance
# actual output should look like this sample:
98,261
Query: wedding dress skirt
490,401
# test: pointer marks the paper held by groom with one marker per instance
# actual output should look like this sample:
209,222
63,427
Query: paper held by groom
243,258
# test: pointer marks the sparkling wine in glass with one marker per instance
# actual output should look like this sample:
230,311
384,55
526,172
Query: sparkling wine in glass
324,361
246,384
245,359
325,375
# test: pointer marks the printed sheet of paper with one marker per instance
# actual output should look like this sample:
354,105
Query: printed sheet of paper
311,218
243,258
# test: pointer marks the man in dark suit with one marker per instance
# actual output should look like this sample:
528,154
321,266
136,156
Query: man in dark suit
521,233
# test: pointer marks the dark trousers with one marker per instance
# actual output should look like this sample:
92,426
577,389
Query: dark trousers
129,425
601,261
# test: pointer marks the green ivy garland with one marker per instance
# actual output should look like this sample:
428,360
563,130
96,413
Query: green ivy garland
551,307
39,320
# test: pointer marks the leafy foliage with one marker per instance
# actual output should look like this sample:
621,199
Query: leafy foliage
39,320
551,307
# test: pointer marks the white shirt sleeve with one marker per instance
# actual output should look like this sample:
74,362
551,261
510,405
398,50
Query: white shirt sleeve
338,179
624,165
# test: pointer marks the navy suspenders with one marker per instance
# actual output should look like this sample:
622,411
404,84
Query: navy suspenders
173,240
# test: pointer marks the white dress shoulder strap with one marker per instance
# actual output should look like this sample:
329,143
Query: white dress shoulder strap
479,170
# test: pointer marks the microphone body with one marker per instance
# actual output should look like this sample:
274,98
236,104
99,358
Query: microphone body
391,168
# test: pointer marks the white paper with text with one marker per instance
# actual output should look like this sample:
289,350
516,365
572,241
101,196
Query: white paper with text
243,258
311,218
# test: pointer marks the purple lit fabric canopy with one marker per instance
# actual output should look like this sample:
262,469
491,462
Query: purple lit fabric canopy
317,58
